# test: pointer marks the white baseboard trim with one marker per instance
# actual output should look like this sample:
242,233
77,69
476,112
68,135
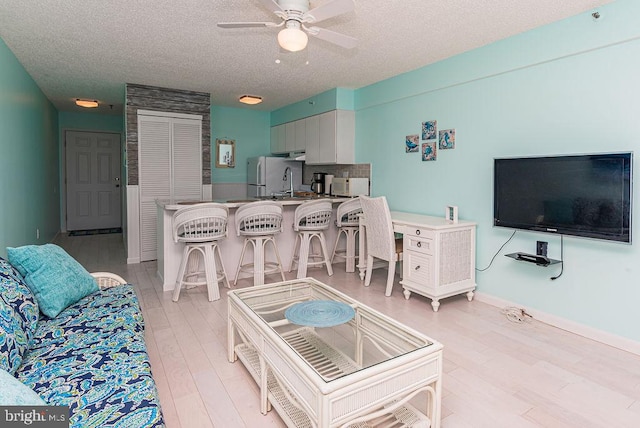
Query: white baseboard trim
133,260
610,339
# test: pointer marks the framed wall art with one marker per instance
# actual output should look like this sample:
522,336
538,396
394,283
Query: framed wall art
412,143
225,153
429,129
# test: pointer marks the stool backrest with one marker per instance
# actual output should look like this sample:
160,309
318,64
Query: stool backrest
348,213
312,215
200,223
259,218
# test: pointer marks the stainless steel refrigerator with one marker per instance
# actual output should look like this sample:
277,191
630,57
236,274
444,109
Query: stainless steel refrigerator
268,175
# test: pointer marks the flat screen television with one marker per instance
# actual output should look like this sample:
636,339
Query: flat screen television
580,195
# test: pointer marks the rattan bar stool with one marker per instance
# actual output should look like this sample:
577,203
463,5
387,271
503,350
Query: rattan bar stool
259,222
200,227
311,218
347,221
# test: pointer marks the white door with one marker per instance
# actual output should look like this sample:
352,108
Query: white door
92,180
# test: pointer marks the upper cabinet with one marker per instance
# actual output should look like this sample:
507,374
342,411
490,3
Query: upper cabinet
335,143
278,139
327,138
288,137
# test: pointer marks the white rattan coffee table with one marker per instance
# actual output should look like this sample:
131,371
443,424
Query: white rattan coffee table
360,373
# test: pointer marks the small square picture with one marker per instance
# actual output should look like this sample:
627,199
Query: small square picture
412,143
429,130
429,151
447,139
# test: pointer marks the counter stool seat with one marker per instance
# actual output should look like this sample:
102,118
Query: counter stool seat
348,222
311,219
200,227
259,222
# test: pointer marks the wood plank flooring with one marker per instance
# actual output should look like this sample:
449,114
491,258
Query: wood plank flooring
497,373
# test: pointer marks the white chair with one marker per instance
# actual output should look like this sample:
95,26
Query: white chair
311,218
347,221
259,222
380,239
200,227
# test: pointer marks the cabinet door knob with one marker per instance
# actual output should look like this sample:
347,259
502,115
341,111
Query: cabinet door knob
417,267
417,231
419,244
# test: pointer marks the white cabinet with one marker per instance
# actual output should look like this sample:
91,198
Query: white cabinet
278,139
289,137
438,259
335,143
327,138
170,167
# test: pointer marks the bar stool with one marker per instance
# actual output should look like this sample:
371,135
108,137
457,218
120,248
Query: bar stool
200,227
259,222
311,218
347,221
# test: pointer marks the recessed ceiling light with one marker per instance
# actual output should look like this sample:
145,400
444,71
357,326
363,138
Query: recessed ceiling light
86,103
250,99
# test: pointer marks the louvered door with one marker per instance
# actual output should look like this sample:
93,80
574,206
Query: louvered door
170,168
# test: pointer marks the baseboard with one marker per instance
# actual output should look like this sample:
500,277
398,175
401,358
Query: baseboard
610,339
133,260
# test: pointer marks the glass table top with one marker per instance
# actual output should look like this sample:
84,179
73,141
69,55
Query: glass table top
366,339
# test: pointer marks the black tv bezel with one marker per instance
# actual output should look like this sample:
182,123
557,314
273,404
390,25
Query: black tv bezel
624,238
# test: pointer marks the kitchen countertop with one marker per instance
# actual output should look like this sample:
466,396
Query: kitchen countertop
235,203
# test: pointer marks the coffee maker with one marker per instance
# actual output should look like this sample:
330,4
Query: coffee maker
317,185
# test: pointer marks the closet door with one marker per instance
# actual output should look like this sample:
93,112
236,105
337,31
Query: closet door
154,162
187,159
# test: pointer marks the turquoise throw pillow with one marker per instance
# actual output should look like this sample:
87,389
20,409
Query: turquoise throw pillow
15,393
55,278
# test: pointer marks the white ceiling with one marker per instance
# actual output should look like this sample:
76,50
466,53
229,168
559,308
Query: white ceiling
91,48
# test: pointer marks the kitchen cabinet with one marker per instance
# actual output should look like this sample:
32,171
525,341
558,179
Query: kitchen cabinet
278,139
335,142
438,258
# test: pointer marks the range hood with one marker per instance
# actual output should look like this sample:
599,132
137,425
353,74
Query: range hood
298,156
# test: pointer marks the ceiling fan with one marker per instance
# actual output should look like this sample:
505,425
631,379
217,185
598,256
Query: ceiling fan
295,14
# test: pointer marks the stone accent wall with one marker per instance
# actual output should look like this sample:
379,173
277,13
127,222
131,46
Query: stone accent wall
166,100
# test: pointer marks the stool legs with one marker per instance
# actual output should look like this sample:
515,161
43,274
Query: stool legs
259,264
210,251
350,252
302,252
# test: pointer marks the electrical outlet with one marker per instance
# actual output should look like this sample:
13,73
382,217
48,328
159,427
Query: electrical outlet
541,248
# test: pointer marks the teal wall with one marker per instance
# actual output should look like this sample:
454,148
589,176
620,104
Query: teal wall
29,168
251,131
337,98
569,87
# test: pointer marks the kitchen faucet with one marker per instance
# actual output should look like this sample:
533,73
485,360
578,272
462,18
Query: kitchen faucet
284,178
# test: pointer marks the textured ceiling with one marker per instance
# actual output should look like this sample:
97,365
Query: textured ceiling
91,48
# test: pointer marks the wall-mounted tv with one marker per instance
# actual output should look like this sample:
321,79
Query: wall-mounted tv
581,195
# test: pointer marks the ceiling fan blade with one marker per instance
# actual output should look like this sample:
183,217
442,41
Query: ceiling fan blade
339,39
329,10
272,5
247,24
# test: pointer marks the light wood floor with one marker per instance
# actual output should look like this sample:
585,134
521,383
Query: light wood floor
497,373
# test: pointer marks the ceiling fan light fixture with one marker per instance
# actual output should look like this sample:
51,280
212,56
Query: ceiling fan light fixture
86,103
292,38
250,99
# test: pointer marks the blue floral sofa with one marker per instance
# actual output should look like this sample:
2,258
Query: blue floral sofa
91,356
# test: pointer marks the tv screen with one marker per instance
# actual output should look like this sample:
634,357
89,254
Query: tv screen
580,195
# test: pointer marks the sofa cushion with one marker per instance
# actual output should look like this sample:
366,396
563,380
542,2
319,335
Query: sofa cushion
56,279
18,317
15,393
92,358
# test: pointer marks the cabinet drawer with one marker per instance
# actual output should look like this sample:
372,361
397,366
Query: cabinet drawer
418,268
419,232
420,244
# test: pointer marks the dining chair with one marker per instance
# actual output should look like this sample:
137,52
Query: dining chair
380,239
